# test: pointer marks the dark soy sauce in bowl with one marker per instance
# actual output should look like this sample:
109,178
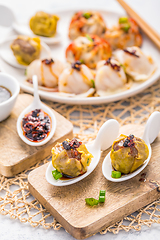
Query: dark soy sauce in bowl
5,94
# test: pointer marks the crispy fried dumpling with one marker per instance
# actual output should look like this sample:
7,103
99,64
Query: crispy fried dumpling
110,76
47,71
89,50
137,65
126,34
76,78
26,49
89,22
44,24
71,158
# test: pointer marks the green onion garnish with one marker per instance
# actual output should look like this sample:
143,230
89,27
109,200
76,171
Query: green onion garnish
123,20
116,174
56,174
91,201
125,27
25,72
93,83
86,15
89,38
102,194
82,61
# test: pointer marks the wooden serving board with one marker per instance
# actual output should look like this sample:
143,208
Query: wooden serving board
15,155
67,204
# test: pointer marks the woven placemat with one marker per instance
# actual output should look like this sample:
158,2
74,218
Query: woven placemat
16,200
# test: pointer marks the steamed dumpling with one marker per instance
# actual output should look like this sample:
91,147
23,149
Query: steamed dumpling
89,50
137,65
76,78
47,71
110,76
90,22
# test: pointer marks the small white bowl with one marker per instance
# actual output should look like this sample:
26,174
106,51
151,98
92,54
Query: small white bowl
12,85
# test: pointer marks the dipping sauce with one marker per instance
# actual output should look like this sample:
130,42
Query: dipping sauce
36,125
5,94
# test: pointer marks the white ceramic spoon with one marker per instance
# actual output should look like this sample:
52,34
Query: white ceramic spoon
151,131
36,104
106,135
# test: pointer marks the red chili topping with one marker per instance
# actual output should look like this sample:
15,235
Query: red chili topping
133,52
36,125
113,65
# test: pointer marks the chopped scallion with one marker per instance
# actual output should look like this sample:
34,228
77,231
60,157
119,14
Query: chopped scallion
123,20
89,38
91,201
56,174
86,15
93,83
116,174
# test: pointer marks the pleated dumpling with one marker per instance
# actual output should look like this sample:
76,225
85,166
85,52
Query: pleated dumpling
110,76
137,64
76,78
47,71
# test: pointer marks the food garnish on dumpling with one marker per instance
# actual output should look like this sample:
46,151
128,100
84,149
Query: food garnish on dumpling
44,24
47,71
110,76
76,78
26,49
89,49
126,34
128,153
71,158
90,22
137,64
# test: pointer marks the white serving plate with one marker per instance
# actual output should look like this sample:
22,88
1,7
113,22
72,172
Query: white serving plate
58,51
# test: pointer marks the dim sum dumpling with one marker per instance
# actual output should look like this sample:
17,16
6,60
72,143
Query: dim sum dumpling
76,78
47,71
110,76
137,65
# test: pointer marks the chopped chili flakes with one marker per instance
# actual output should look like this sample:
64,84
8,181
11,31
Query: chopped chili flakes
133,52
48,61
113,65
36,125
77,65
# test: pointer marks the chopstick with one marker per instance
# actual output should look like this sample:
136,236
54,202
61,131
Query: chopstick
153,35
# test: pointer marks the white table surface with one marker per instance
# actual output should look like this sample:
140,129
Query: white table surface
149,10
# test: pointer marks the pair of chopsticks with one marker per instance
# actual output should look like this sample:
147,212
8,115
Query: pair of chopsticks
153,35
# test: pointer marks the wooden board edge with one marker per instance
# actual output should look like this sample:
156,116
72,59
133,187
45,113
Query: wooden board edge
93,228
24,164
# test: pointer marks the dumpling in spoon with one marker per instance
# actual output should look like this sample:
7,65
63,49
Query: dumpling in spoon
128,153
76,78
71,158
47,71
110,76
137,65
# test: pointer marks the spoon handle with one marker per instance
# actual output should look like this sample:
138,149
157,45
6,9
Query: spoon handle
107,134
152,128
36,95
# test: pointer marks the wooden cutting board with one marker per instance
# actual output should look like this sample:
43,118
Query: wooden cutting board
67,204
15,155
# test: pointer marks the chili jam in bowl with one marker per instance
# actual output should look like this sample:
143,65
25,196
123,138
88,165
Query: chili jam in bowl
9,92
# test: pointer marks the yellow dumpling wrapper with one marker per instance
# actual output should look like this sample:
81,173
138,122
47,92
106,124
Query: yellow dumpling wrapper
44,24
126,159
26,49
68,165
